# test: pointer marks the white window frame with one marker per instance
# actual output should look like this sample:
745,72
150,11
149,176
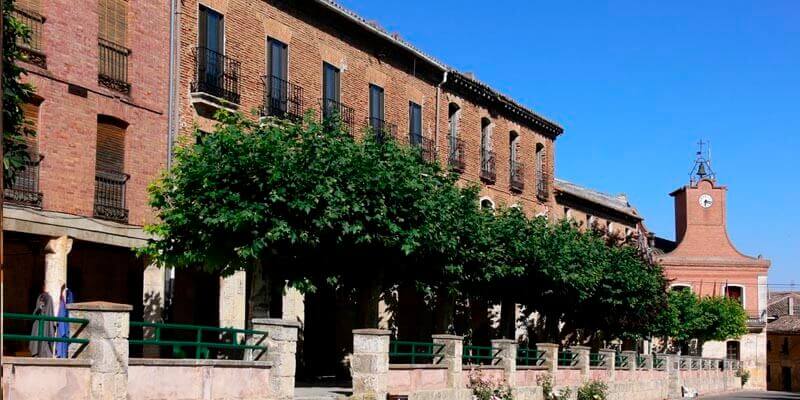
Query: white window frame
486,198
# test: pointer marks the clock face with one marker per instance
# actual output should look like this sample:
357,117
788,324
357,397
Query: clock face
706,201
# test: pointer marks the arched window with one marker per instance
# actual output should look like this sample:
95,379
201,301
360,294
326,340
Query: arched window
680,286
541,171
110,178
487,204
456,155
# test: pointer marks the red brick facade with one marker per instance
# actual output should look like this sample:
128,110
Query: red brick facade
67,123
314,34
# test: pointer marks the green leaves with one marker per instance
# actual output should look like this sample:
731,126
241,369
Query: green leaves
689,317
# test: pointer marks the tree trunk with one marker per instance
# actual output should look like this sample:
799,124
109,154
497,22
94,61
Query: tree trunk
508,318
445,312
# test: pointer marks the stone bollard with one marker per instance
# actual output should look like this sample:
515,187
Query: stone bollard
630,355
583,360
508,358
609,356
550,356
281,345
107,349
451,356
369,364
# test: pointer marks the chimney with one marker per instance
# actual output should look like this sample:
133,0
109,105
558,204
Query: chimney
791,305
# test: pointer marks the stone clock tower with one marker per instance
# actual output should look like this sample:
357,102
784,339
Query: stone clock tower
704,260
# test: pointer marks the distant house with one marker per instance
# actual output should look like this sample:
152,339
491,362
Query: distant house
783,342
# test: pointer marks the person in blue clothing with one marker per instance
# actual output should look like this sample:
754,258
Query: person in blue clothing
62,348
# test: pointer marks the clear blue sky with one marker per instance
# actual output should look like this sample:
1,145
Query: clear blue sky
636,84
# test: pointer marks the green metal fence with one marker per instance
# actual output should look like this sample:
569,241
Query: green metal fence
223,338
621,361
659,363
530,357
641,362
597,360
567,358
40,336
402,352
480,355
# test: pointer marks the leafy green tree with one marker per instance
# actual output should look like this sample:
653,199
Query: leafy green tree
15,92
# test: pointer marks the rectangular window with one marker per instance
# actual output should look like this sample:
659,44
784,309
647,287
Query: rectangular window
732,350
211,30
330,90
277,69
734,292
375,107
414,123
113,20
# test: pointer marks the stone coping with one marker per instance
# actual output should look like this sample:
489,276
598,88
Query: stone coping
276,322
532,368
579,348
47,362
416,366
169,362
99,306
466,368
372,332
447,337
503,341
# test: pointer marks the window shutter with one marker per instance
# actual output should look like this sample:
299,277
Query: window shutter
113,20
29,5
31,114
110,147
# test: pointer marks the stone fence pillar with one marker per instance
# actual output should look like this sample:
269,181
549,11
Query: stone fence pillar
370,364
583,360
107,332
451,356
550,356
508,358
673,368
631,357
281,345
648,362
609,355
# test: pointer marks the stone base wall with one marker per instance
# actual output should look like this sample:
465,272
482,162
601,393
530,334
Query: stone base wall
413,378
39,378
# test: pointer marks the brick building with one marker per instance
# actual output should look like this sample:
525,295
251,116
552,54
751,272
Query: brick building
783,342
279,58
100,116
704,260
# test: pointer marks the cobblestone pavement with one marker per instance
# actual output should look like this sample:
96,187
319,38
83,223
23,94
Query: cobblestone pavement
754,396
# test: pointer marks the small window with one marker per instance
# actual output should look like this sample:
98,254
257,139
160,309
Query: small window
540,171
680,286
487,204
110,144
452,121
211,30
113,20
375,107
330,90
735,292
486,134
732,350
414,123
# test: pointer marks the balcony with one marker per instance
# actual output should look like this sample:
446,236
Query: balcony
282,99
488,171
113,66
24,190
542,185
517,179
216,74
109,196
32,48
456,158
334,112
381,128
426,147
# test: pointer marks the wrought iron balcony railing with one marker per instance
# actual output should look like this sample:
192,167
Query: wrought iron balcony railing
517,180
381,128
542,185
216,74
426,146
113,66
24,190
488,171
282,98
109,195
335,112
456,157
32,48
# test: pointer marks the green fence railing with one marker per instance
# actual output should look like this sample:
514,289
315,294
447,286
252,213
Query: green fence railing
659,363
40,336
621,361
641,362
597,360
530,357
401,352
225,338
567,358
480,355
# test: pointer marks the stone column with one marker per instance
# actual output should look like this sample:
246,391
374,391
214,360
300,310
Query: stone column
369,365
233,300
550,356
673,369
648,362
631,357
55,268
281,342
153,301
583,360
508,358
107,332
451,356
611,362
